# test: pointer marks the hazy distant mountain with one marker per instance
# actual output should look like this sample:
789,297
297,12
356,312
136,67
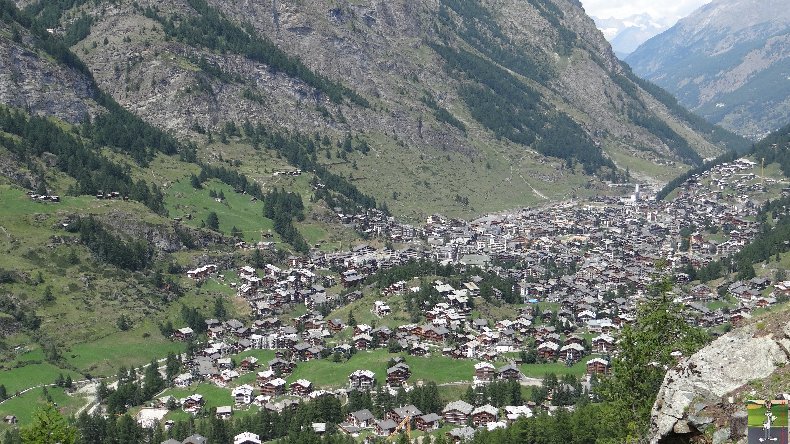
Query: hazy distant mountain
728,61
625,35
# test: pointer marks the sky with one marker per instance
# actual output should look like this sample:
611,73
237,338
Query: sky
665,10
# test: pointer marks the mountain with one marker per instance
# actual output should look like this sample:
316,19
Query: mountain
728,61
459,108
626,34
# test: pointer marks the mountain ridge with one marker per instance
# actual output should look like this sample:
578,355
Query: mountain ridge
726,61
376,71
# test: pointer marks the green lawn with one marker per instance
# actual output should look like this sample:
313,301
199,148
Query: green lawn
24,406
236,210
103,357
17,379
440,369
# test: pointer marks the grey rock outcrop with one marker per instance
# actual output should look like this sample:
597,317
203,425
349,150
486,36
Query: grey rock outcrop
728,363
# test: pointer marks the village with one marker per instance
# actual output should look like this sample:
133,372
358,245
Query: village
577,272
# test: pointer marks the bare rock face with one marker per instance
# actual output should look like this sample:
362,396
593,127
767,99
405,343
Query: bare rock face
711,375
32,81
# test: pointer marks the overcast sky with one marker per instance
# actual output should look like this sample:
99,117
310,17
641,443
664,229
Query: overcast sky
666,10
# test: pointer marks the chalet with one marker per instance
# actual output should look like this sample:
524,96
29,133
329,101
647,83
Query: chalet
361,418
418,349
385,427
183,334
603,343
335,325
484,414
461,434
265,376
301,387
509,371
195,439
572,352
401,413
10,419
193,402
427,423
484,372
362,380
281,366
457,412
201,272
514,412
183,380
381,309
398,374
246,438
548,350
224,412
597,366
274,387
363,341
242,395
249,363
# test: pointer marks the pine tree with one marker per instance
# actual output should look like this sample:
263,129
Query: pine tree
212,221
49,427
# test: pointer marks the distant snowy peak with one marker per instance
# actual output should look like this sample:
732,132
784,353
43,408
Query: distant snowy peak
626,34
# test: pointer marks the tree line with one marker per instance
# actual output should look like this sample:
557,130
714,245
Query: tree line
283,207
92,171
512,110
131,254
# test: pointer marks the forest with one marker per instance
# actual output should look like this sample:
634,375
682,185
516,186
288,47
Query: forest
131,255
513,110
283,207
92,171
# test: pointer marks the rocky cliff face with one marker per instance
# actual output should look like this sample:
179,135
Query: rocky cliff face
728,61
31,80
705,393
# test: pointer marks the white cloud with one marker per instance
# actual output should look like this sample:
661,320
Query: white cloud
665,11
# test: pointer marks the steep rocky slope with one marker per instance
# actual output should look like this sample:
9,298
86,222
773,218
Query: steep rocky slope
467,107
705,393
728,61
401,90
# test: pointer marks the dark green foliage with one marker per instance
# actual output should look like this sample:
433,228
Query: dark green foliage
553,14
772,240
496,393
714,133
233,178
513,110
442,115
775,148
93,171
644,349
479,29
282,207
131,255
212,30
126,132
78,30
194,319
300,151
667,135
20,311
212,221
